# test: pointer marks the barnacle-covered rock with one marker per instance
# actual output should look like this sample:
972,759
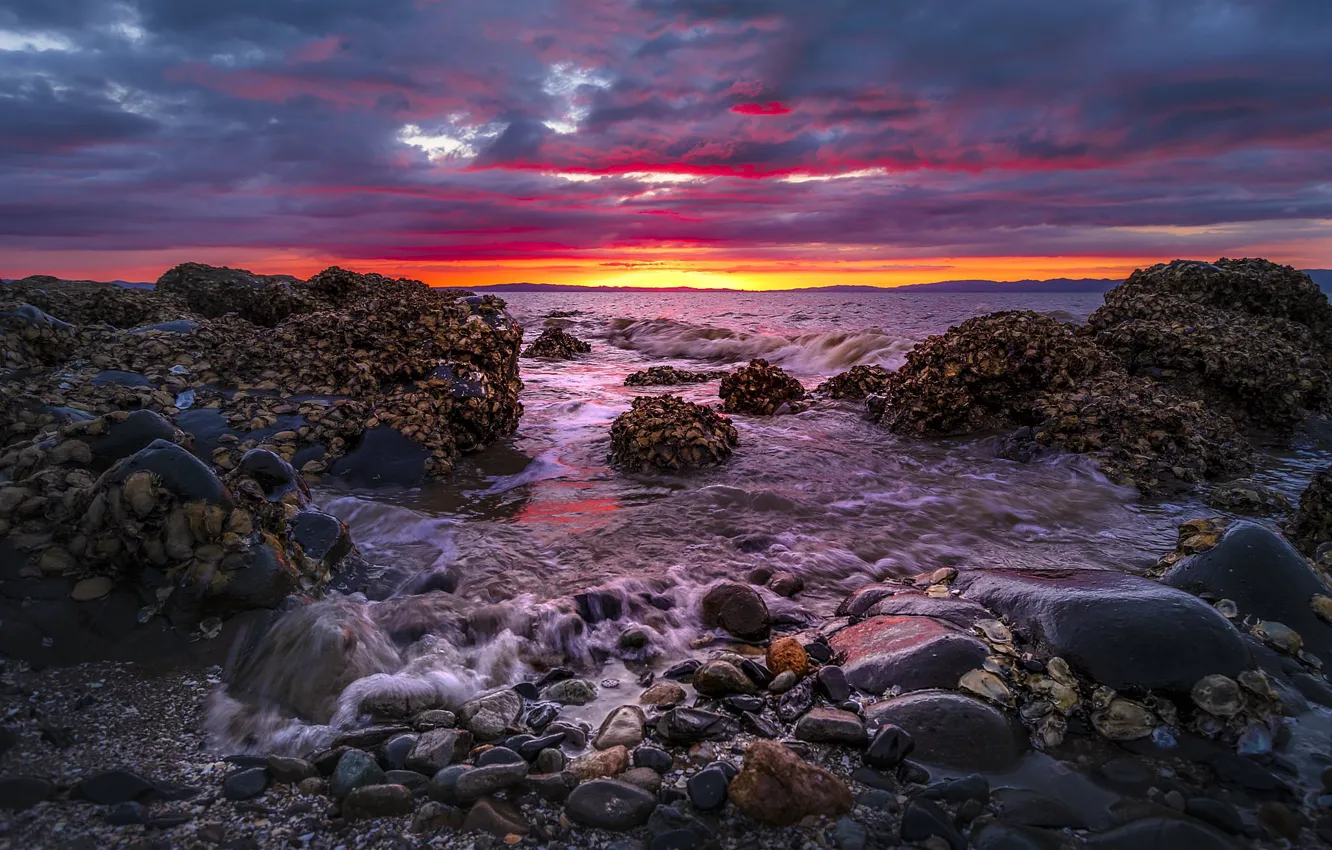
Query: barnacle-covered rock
985,373
666,376
1250,334
1142,433
558,344
213,291
667,432
857,382
1311,525
759,389
91,303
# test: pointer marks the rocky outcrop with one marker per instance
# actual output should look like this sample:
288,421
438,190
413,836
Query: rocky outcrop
1250,335
666,376
667,432
556,344
760,389
1311,525
162,466
857,382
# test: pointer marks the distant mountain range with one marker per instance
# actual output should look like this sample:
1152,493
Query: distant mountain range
1095,286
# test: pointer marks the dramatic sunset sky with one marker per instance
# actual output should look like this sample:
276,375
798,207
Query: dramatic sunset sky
751,143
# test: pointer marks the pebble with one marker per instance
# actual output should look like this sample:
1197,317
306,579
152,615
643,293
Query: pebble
644,777
849,835
832,683
374,801
435,718
831,726
496,817
973,787
125,814
23,792
499,755
664,693
481,781
246,784
889,745
550,760
783,682
355,769
111,787
1220,815
654,758
609,804
924,819
571,692
707,789
393,755
290,771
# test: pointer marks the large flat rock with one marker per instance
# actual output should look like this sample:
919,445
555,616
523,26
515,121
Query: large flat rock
912,652
1119,629
953,730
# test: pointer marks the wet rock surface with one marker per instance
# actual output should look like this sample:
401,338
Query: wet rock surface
667,432
856,383
668,376
556,344
760,389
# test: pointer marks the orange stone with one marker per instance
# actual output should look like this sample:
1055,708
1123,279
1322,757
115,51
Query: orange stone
787,654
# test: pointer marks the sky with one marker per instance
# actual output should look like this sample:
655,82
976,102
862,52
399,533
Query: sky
737,143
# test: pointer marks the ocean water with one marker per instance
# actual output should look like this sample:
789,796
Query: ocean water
523,527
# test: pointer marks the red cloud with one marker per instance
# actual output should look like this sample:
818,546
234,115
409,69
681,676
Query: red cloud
773,108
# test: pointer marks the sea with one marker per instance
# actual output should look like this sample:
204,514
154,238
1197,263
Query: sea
528,524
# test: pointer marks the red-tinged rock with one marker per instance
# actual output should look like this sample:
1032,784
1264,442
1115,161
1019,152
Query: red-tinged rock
912,652
775,786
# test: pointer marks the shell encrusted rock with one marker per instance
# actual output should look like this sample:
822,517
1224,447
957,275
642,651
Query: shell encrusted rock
667,432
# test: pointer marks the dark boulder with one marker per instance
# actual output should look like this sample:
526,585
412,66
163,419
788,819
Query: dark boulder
1120,630
1311,525
1264,576
911,652
737,609
952,730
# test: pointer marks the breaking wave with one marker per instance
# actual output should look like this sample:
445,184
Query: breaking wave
809,353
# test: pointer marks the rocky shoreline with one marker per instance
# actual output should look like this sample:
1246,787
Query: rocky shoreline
984,707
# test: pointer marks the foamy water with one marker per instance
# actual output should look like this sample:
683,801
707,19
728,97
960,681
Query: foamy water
483,568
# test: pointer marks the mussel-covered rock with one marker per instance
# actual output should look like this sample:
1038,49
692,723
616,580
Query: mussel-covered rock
1250,334
212,292
667,432
759,389
857,382
1247,496
666,376
986,373
1311,525
557,344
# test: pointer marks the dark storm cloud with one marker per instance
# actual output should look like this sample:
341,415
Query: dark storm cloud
1013,126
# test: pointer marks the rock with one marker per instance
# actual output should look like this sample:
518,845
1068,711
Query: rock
1311,525
556,344
436,817
663,693
355,769
912,652
787,654
786,584
643,777
126,814
719,679
245,784
437,749
393,755
1264,576
314,786
962,614
849,835
683,671
667,432
608,804
760,389
857,383
290,771
496,817
1215,813
483,781
775,786
1246,496
832,683
1023,807
488,716
953,730
924,819
653,758
550,760
664,376
1120,630
378,801
1160,833
111,787
417,783
571,692
623,727
91,588
738,610
830,726
707,789
888,747
552,787
18,793
783,682
796,701
608,762
684,726
434,719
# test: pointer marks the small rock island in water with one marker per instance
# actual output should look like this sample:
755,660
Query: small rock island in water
197,652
